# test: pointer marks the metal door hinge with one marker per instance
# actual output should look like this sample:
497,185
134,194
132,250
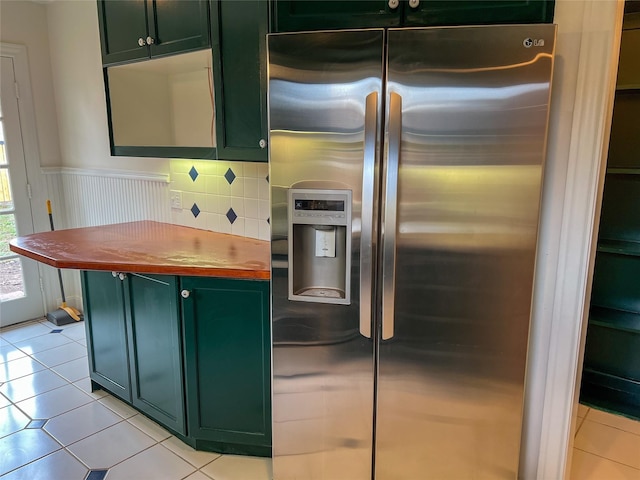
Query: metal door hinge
17,88
29,190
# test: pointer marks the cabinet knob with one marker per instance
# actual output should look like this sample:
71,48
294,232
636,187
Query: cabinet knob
114,274
141,42
150,41
122,276
262,143
393,4
414,3
185,293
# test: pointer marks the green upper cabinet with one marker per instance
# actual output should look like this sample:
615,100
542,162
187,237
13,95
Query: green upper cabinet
299,15
228,364
477,12
138,29
239,31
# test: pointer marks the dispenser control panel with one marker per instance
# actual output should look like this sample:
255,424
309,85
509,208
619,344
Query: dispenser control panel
328,207
320,245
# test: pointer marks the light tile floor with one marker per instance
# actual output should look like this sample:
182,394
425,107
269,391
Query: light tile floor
53,427
606,447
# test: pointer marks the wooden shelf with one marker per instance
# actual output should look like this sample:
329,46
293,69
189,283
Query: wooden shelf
628,88
620,247
618,319
623,171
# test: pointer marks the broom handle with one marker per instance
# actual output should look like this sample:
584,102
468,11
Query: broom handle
64,300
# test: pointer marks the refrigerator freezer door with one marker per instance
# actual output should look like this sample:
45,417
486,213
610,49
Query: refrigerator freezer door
475,104
323,123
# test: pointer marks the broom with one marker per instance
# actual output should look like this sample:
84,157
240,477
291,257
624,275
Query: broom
64,314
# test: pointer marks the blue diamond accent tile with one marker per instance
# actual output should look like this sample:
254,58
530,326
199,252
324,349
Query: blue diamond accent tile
57,330
96,474
195,210
230,176
36,423
231,216
193,173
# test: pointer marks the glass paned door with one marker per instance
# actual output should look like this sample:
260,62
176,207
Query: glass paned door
20,295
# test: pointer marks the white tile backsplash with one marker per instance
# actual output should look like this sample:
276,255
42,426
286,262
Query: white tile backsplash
247,195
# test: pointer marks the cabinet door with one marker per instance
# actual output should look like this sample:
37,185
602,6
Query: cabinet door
478,12
227,354
155,348
301,15
178,25
238,30
106,332
122,23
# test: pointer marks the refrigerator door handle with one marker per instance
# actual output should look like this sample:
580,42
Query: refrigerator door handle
390,217
366,233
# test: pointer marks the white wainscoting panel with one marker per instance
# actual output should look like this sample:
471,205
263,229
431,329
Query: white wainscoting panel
86,198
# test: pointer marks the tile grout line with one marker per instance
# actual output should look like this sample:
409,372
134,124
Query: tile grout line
607,458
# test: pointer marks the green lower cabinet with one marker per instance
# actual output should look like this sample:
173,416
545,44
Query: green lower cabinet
106,332
134,342
155,348
227,358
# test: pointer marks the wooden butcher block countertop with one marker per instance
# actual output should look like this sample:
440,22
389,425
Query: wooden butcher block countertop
149,247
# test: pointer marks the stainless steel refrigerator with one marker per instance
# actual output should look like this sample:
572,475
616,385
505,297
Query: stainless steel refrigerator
405,169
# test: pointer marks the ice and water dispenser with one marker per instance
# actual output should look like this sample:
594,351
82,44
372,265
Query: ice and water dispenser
320,245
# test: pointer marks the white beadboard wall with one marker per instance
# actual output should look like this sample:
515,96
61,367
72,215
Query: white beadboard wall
86,198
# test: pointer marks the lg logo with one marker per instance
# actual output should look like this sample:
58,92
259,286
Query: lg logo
528,42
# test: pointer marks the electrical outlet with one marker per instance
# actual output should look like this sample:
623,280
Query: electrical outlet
176,198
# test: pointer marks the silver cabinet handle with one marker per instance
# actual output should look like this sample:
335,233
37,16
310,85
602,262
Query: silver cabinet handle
122,276
390,216
414,3
114,274
150,40
141,42
185,293
393,4
366,234
262,143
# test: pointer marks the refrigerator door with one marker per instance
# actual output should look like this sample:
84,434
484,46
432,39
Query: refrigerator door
325,97
466,127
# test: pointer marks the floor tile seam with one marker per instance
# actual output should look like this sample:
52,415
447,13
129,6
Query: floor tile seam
68,361
61,413
607,458
45,349
137,453
32,461
187,460
615,427
84,438
58,364
135,426
45,391
580,422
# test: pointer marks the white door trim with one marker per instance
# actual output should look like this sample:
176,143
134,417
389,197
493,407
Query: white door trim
561,306
28,126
